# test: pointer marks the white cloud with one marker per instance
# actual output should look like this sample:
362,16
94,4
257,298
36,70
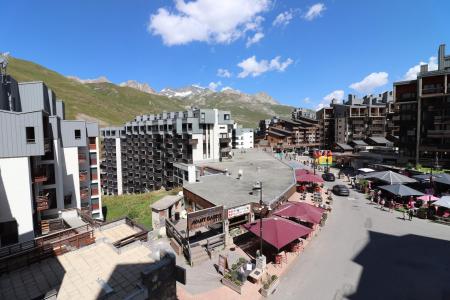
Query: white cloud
413,71
334,95
254,39
209,21
251,66
224,73
101,79
370,82
307,100
283,18
314,11
214,85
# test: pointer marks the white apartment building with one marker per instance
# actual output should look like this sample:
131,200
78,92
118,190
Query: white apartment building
243,138
47,164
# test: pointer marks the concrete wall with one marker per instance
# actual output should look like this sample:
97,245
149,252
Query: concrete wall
71,177
119,167
16,195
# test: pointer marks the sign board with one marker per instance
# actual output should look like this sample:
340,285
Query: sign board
204,217
323,157
223,263
238,211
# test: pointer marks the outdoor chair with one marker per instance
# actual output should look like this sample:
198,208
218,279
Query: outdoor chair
279,260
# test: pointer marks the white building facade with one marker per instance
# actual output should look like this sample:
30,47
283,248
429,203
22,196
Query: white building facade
243,138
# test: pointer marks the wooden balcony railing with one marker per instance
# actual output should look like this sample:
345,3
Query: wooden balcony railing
92,147
40,177
42,203
84,194
81,157
83,175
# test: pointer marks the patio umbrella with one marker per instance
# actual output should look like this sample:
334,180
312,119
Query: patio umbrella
443,178
299,172
427,198
278,231
309,178
302,211
400,190
389,177
424,177
443,202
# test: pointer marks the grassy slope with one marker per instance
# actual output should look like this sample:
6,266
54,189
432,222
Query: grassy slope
114,105
136,207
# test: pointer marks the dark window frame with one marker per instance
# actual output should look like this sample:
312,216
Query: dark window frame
77,136
30,135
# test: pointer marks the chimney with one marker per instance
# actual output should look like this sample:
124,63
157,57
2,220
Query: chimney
423,68
441,57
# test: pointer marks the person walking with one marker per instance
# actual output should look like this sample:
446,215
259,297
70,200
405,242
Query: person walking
411,213
404,214
382,202
391,206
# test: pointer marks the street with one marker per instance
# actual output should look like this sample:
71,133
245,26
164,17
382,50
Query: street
366,253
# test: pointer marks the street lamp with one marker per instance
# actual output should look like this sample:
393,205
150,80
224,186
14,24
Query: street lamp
258,186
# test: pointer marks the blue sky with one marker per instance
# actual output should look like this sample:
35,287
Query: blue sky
316,48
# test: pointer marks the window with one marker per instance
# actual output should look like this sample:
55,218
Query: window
31,139
226,116
202,115
9,233
77,134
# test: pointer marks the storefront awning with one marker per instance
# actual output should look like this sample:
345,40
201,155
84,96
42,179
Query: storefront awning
301,211
278,231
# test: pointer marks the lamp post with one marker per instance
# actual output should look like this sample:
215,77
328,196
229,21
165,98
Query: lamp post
258,186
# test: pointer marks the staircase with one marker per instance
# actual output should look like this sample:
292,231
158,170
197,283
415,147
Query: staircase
198,254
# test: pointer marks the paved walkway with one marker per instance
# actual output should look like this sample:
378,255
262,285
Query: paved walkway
366,253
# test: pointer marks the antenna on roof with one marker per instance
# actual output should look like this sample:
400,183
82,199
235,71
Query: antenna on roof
3,62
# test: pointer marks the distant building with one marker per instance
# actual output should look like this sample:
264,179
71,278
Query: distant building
303,113
243,138
357,119
47,163
423,115
301,133
155,151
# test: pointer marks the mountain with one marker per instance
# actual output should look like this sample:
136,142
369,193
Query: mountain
100,79
140,86
185,92
111,104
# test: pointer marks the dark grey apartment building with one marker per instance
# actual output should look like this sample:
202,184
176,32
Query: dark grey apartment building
155,151
423,115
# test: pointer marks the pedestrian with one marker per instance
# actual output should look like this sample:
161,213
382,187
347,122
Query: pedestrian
404,214
382,204
391,205
411,213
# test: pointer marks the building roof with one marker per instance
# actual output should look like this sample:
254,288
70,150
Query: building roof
276,133
166,202
359,142
256,165
379,140
344,146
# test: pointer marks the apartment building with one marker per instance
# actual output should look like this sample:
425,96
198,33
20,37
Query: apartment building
356,119
243,138
424,114
301,133
47,163
155,151
300,112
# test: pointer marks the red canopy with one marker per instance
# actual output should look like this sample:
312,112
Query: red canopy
302,211
278,231
309,178
301,172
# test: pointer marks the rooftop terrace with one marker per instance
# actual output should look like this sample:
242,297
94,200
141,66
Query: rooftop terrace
230,191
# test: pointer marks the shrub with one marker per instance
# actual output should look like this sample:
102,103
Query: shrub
274,277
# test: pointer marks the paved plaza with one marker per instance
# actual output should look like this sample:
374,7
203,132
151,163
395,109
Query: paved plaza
366,253
81,274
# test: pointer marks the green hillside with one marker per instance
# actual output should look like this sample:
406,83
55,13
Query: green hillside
110,104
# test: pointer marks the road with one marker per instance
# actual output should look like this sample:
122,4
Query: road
365,253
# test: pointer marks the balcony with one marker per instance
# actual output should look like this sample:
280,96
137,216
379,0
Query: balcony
84,193
92,147
224,140
42,203
81,157
48,143
433,90
94,191
83,176
192,141
40,176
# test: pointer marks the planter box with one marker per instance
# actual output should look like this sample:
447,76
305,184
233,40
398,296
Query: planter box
273,286
232,285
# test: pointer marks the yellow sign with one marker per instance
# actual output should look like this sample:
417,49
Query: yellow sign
323,157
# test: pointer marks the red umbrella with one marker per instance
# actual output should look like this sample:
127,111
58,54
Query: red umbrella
302,211
427,198
278,231
309,178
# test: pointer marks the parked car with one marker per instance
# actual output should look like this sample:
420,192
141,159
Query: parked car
341,190
328,177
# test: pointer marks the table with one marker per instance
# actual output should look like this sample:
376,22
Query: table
256,275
